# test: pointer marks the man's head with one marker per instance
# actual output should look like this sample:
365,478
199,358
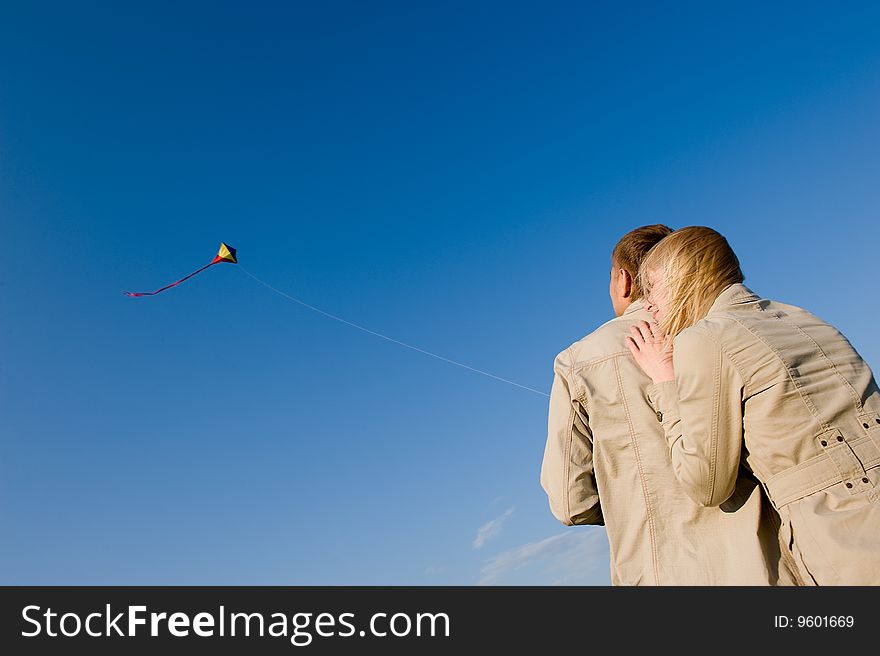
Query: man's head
626,258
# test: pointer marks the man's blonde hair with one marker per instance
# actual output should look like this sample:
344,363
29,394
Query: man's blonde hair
632,248
697,264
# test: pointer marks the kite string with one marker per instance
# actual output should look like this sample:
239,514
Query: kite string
390,339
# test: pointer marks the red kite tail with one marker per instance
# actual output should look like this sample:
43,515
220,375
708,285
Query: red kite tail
173,284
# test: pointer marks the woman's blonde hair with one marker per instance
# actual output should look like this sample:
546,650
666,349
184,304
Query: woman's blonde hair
697,264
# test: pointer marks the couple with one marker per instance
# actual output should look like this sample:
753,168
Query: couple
721,438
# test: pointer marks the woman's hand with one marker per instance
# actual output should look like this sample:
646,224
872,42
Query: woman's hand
651,352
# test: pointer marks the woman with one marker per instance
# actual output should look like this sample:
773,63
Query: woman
770,386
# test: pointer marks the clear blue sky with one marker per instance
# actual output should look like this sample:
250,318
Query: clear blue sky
451,174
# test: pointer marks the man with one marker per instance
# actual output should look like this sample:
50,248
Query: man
606,462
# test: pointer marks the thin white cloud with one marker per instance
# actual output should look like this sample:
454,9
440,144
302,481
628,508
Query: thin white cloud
577,557
434,570
490,529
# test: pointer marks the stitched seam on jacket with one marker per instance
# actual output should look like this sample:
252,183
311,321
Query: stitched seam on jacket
567,469
713,434
634,441
824,425
857,401
596,361
713,429
566,474
746,381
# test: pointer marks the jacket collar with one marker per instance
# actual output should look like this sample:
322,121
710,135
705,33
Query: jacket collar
734,294
635,306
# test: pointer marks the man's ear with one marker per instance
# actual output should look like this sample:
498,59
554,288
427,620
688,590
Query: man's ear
624,283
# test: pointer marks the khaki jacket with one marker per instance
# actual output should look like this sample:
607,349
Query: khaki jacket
606,461
774,387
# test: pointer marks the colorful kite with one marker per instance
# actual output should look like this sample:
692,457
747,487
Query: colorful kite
226,254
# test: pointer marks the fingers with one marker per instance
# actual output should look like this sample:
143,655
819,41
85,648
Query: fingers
641,332
647,329
647,332
643,340
635,347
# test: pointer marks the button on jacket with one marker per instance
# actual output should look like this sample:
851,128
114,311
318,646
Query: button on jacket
606,461
781,390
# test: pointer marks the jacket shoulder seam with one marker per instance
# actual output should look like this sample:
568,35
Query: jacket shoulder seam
599,359
746,380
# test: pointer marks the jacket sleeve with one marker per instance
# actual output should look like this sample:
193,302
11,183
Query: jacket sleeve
567,469
701,412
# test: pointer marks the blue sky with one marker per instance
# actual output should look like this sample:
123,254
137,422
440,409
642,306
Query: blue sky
453,175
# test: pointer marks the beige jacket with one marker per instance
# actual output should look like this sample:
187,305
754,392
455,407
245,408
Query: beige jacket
776,388
606,461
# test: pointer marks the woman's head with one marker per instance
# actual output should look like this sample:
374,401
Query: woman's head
684,274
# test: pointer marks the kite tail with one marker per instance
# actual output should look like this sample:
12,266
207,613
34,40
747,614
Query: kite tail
173,284
391,339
